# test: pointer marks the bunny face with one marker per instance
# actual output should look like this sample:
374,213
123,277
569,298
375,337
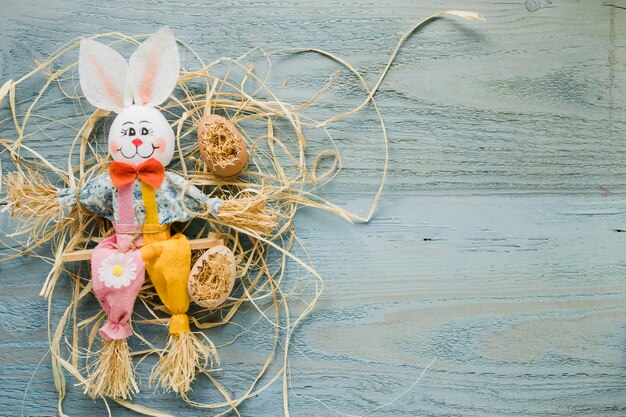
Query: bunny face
132,89
139,133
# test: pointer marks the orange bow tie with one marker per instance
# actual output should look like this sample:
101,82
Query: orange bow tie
150,172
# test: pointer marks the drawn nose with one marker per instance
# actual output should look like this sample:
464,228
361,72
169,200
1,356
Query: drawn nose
137,142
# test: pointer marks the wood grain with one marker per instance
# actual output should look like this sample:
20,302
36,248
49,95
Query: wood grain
497,247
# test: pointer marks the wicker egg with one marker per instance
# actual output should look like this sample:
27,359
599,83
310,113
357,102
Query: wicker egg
212,277
221,145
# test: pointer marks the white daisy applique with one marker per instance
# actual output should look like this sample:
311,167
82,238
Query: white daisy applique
117,271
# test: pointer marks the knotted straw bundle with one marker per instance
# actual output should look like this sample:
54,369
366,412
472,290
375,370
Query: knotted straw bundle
255,220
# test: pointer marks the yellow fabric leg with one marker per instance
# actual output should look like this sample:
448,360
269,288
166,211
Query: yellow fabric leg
168,263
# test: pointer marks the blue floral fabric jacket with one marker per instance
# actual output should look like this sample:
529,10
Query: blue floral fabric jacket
100,196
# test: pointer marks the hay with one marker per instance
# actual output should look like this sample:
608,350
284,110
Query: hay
184,356
112,374
256,219
30,196
221,144
249,211
213,280
212,277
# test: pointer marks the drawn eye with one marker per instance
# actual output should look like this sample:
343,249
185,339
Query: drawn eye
144,131
131,131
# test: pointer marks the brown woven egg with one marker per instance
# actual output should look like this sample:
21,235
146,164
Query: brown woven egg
221,145
212,277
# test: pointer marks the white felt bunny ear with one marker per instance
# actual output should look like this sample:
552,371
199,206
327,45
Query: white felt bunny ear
153,68
103,72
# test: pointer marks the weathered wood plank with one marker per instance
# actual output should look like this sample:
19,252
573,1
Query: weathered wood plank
524,317
524,101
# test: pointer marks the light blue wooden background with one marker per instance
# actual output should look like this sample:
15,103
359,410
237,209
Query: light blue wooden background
494,248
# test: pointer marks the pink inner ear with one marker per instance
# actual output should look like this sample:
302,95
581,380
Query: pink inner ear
149,78
110,89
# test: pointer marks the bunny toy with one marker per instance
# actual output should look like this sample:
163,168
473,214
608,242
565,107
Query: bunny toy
142,200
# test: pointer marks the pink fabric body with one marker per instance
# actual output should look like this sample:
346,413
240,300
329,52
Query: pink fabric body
118,303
